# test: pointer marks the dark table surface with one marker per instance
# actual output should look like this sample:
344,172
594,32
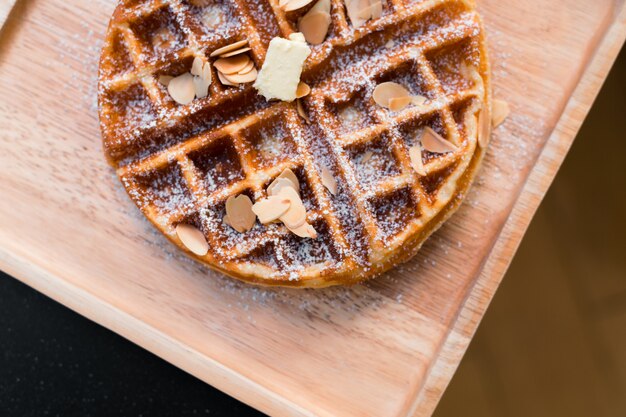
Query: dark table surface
57,363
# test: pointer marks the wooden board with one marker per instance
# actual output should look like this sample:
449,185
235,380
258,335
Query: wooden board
385,348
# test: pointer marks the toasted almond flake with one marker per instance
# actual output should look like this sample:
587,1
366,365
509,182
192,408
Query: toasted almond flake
237,52
501,111
365,13
434,142
376,8
232,65
484,127
207,75
366,157
303,90
192,238
301,112
390,44
196,67
181,89
295,5
277,185
415,153
322,6
165,79
201,87
247,68
355,8
388,90
240,214
287,175
226,220
373,11
271,208
314,26
242,78
229,48
399,103
200,3
224,81
296,215
418,100
329,181
305,231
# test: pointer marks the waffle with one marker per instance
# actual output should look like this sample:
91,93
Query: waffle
181,163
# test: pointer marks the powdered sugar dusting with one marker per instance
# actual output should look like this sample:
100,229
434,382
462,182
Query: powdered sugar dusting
182,162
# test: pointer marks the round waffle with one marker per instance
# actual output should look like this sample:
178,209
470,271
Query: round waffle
376,174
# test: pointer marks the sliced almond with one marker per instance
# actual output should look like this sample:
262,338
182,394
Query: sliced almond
296,215
399,103
201,87
229,48
286,178
206,74
329,181
226,220
235,52
301,112
376,9
247,68
181,89
242,78
418,100
165,79
288,174
322,6
501,111
388,90
365,13
355,9
271,208
240,214
434,142
305,231
277,185
314,26
232,65
224,81
415,153
373,11
484,127
197,66
295,5
303,90
366,157
192,238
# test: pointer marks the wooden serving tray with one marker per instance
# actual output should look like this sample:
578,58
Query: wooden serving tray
385,348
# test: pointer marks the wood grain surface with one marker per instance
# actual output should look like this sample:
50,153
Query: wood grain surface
385,348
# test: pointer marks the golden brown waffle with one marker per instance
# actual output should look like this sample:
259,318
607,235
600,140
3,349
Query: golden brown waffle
179,163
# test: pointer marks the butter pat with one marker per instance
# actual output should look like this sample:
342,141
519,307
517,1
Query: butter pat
280,75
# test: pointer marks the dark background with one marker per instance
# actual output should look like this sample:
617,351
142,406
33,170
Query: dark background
553,343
